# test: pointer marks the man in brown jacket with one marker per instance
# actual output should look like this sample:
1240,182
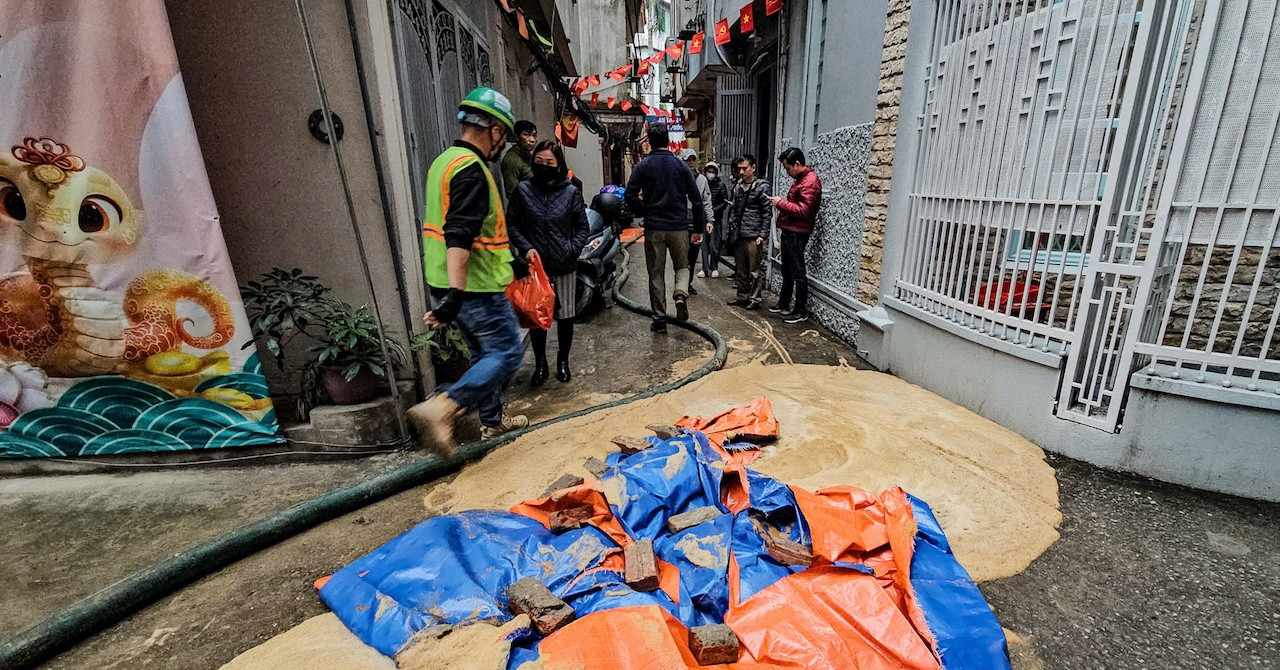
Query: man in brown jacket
796,215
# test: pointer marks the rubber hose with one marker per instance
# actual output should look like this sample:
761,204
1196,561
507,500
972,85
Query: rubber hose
117,601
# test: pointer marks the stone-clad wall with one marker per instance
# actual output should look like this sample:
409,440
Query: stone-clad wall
880,170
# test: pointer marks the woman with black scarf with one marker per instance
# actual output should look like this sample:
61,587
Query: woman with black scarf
547,219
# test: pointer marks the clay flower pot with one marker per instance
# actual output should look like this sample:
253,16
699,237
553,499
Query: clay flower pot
362,388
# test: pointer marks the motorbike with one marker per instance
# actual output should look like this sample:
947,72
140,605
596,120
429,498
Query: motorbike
597,267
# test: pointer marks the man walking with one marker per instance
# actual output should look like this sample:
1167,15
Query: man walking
467,262
796,215
749,227
719,203
662,190
517,163
690,158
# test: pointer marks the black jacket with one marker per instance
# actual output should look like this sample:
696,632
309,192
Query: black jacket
551,220
668,188
719,197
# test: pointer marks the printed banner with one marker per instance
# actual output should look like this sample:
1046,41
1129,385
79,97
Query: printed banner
121,327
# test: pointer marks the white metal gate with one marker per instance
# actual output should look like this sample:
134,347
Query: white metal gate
735,120
1039,143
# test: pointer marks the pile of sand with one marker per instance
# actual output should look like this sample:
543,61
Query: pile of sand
995,496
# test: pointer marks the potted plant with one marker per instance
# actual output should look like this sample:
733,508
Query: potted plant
450,355
345,364
349,361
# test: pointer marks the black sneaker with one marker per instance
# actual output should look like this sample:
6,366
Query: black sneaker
778,308
658,326
795,317
682,309
752,306
739,302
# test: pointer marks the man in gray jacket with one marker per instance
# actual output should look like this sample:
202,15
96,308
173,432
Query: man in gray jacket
690,158
747,230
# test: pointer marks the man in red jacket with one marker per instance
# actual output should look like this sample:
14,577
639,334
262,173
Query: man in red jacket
796,214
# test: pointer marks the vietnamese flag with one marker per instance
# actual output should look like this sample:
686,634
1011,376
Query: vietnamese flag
643,69
616,75
644,108
595,99
611,102
626,105
675,50
722,32
580,87
593,80
747,19
772,7
695,45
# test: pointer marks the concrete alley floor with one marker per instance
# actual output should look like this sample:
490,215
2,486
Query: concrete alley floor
1145,574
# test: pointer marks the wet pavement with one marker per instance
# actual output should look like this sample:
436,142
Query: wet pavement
1146,575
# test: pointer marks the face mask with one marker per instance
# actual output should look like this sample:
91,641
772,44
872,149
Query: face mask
545,174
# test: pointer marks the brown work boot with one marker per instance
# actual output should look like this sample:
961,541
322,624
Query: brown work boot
433,419
508,424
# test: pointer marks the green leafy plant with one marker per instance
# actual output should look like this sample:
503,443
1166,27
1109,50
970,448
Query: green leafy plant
285,304
447,345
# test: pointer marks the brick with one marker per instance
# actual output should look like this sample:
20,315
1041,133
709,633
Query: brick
631,445
565,481
549,613
571,518
713,644
642,566
693,517
664,432
596,467
787,552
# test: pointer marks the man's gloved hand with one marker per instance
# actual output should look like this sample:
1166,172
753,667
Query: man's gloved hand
445,313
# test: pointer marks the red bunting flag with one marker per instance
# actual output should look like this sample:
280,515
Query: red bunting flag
643,69
506,6
644,108
746,17
595,99
611,102
567,130
722,32
772,7
675,50
593,80
522,24
695,45
616,75
580,87
656,59
626,105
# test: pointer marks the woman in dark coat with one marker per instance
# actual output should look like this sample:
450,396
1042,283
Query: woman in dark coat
547,219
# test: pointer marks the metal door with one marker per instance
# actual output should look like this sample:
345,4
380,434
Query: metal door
735,120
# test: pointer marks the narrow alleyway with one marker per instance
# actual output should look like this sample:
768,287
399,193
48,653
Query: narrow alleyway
1144,574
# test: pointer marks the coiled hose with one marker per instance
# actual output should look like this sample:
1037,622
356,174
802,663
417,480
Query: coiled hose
117,601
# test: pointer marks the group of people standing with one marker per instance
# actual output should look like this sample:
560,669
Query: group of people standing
474,246
687,214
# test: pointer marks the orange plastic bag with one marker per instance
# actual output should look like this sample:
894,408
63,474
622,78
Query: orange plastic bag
533,299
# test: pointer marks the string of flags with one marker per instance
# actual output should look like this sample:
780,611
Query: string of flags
722,35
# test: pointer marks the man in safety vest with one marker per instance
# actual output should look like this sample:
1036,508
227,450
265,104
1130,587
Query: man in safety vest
467,262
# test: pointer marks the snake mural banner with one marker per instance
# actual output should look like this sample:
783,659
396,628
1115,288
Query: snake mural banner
121,325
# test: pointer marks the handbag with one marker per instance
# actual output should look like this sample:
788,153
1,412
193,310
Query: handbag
532,298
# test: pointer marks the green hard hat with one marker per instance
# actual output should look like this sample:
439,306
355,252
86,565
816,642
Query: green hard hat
491,102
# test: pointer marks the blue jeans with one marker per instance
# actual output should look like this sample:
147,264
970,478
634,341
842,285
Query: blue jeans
492,332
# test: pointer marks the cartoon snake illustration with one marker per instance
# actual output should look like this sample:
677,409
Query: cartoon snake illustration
62,216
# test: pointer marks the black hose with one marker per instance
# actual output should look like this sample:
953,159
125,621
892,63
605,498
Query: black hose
117,601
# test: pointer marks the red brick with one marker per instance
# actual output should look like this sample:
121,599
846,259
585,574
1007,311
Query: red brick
532,597
642,566
693,517
564,482
664,432
713,644
787,552
631,445
571,518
